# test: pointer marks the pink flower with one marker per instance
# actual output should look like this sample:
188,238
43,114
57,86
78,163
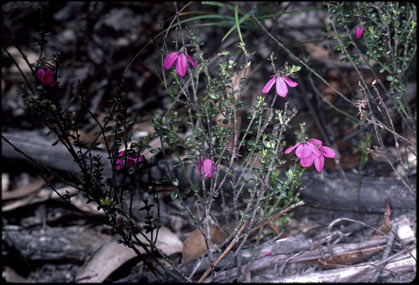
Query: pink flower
46,76
281,85
312,151
132,160
359,30
208,167
179,59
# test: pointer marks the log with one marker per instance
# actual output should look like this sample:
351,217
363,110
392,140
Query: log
72,244
328,189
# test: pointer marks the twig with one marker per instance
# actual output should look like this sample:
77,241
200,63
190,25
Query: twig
234,242
227,250
386,253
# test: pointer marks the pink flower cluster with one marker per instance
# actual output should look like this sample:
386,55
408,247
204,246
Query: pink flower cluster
312,151
179,59
46,76
281,85
209,168
132,160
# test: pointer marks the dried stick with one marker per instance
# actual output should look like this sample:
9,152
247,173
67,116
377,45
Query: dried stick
234,242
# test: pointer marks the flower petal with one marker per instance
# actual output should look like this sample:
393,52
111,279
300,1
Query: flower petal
281,87
315,150
192,61
268,85
49,76
328,152
291,148
119,162
170,60
319,162
181,65
303,151
207,167
290,82
316,142
307,161
359,31
40,74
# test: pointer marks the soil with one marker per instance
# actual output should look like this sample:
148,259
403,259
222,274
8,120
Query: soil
102,44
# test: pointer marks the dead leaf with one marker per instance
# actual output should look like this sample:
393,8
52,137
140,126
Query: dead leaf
194,246
5,181
317,51
347,161
25,190
31,56
111,255
43,195
11,276
352,257
386,227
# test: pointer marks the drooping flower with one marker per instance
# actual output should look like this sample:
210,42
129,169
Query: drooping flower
46,76
281,85
209,167
312,151
359,30
179,59
132,160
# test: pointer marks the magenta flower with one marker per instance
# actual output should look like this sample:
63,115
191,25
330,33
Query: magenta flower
281,85
268,254
312,151
209,167
359,30
179,59
132,160
46,76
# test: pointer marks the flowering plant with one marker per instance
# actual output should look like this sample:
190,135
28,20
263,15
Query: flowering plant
207,168
132,160
281,85
312,151
359,30
46,76
179,60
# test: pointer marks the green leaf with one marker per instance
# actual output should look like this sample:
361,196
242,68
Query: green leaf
238,22
175,182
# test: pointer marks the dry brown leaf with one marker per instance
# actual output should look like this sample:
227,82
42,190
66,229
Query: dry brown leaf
347,161
11,276
85,137
237,121
236,124
317,51
31,56
356,256
347,258
194,246
25,190
43,195
342,145
111,255
5,181
386,227
167,241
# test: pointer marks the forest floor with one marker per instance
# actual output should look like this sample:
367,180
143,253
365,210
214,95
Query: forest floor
46,240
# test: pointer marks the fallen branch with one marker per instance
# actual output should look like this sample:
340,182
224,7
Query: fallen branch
327,188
